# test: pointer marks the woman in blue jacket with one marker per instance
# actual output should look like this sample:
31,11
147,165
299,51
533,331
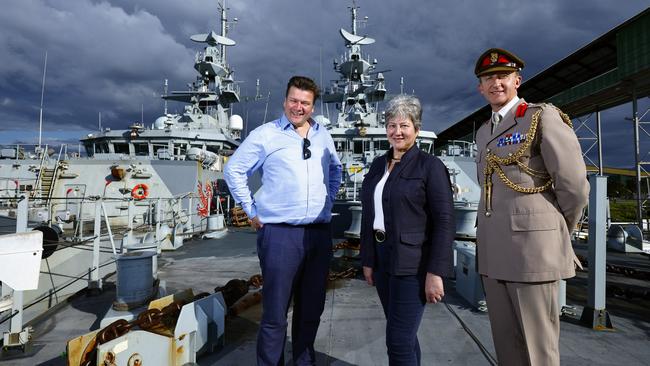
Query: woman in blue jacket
407,229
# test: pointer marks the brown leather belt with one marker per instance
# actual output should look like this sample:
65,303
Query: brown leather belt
380,236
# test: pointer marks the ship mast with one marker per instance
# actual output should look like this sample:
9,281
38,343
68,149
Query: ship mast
354,17
40,113
224,29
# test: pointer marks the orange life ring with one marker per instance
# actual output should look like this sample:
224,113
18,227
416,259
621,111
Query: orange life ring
140,191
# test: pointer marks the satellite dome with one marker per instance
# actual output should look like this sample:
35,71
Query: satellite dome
236,122
159,124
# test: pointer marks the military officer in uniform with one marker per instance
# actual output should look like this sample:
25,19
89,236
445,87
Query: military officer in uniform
534,188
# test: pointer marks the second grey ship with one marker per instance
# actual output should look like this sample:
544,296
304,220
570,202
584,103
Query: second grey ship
359,133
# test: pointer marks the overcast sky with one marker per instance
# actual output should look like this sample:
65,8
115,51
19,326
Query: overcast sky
112,56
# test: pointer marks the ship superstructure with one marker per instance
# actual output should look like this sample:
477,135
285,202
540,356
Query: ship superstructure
359,133
143,161
358,128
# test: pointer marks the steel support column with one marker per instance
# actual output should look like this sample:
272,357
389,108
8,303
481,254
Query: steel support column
637,160
594,314
600,144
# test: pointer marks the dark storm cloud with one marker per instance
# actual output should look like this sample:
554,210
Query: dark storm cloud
112,56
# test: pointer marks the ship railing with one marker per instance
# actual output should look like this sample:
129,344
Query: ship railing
12,187
459,148
14,151
25,151
66,216
54,283
119,216
232,87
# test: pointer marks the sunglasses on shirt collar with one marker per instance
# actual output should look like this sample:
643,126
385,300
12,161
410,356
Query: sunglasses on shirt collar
306,153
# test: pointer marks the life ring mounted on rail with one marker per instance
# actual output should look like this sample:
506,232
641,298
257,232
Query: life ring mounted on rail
140,191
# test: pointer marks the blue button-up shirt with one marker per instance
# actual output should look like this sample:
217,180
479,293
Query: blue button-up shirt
294,190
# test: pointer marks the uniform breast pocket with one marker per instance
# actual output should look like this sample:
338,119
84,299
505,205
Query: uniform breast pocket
514,173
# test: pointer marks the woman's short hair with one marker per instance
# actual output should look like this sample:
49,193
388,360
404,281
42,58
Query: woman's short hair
406,106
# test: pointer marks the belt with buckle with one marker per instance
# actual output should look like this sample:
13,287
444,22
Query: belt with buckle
380,236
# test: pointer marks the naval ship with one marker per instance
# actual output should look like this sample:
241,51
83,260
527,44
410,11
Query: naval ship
146,186
142,162
178,154
359,133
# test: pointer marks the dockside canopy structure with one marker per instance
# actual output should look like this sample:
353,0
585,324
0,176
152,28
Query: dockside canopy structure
605,73
612,70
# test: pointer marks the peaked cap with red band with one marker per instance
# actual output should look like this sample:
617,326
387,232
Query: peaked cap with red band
497,60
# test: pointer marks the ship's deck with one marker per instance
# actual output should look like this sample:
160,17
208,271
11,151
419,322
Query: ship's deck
352,327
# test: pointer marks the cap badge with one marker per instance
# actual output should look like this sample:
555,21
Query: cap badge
494,57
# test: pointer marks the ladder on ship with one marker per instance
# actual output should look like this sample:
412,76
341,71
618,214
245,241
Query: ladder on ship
47,181
46,177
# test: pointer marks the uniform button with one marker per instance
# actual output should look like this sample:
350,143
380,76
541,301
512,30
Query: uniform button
509,154
488,214
488,150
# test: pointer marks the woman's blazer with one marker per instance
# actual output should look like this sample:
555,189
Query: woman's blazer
418,214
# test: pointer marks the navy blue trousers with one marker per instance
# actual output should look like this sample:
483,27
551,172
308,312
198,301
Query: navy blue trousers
403,300
295,262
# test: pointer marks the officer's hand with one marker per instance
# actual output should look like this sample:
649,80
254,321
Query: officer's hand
367,273
256,223
433,288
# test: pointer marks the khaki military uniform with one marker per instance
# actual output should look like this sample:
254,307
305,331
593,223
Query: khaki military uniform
523,236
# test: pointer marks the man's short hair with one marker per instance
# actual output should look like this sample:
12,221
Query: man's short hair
303,83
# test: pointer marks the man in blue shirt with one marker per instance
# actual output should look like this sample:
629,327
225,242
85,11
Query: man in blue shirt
291,212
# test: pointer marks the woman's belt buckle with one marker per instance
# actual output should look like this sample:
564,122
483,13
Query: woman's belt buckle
380,236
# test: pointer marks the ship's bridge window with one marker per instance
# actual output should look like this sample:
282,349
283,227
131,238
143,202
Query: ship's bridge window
425,146
341,145
102,148
383,145
180,149
358,147
213,148
121,147
141,149
208,58
89,149
157,147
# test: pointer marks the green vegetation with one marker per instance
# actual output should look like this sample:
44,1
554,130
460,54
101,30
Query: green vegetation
622,210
